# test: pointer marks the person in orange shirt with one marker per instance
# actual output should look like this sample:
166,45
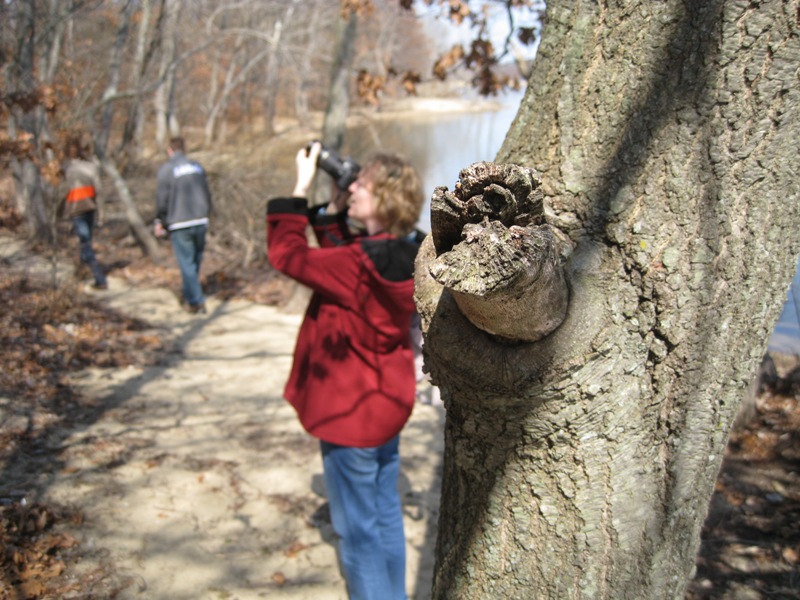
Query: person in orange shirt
82,179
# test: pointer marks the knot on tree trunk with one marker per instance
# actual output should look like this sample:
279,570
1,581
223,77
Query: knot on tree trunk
496,255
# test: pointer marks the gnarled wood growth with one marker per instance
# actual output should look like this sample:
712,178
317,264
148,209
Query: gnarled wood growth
580,465
496,255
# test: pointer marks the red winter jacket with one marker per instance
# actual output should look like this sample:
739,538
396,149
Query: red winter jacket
352,381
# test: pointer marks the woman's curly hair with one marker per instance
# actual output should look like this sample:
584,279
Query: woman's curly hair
397,189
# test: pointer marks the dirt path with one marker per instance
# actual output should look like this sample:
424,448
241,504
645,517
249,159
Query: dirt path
196,480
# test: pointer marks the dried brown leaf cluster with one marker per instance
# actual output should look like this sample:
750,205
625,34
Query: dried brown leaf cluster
31,561
459,11
483,59
448,61
26,101
45,334
368,87
751,538
359,7
47,155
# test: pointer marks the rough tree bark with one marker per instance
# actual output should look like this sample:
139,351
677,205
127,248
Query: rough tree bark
581,465
25,124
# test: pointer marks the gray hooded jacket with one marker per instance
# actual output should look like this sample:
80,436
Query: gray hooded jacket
182,194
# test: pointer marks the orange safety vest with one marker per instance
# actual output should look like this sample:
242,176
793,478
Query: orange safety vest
81,193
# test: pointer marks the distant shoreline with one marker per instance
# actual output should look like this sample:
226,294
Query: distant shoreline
442,105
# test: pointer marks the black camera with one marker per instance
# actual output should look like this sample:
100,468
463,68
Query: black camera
343,170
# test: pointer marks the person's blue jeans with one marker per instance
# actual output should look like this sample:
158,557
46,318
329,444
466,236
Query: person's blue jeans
83,226
188,244
367,514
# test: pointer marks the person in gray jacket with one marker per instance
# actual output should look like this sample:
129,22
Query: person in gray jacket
183,203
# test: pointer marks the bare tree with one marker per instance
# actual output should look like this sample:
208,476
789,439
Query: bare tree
312,40
580,464
234,76
26,122
273,66
339,96
134,123
103,130
165,118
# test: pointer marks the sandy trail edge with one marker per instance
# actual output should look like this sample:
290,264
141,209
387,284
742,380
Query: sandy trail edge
197,481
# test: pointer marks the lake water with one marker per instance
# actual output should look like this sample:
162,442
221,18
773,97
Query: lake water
441,146
786,336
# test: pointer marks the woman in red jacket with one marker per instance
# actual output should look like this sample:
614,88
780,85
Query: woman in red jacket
352,382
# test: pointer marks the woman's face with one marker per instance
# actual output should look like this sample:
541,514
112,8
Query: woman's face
362,202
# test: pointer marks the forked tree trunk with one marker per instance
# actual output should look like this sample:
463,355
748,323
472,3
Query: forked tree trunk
581,465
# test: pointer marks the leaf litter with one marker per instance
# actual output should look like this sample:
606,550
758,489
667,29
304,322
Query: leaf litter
750,542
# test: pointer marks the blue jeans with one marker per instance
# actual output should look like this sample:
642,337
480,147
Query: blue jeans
188,244
368,517
82,226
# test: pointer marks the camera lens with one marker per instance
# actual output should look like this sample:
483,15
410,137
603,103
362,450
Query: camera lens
343,171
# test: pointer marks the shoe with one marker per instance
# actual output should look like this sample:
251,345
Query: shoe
197,309
320,517
99,286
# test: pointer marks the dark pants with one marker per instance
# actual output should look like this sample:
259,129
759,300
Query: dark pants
188,244
82,226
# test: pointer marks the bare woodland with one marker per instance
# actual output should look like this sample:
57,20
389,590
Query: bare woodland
595,304
125,76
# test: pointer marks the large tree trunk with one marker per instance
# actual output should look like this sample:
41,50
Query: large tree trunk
25,125
581,465
334,124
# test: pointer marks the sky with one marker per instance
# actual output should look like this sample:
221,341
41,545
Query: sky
449,34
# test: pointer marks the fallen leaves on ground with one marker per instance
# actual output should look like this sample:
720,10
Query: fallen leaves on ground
31,562
751,539
45,334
